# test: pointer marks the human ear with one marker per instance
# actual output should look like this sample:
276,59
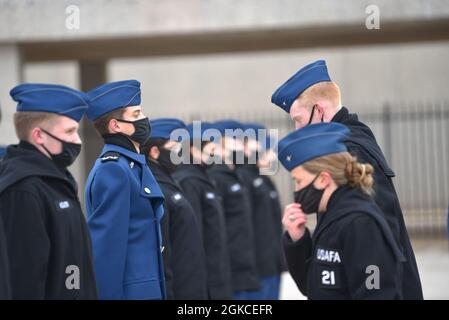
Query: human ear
36,136
323,181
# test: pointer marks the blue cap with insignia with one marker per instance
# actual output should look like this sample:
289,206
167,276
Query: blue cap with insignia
51,98
163,127
306,77
311,142
111,96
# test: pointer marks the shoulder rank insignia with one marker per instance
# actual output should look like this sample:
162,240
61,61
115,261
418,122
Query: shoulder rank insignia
110,156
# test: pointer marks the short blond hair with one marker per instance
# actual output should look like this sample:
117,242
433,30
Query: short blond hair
25,121
327,90
344,170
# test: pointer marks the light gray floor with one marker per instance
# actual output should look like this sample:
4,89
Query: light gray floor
433,264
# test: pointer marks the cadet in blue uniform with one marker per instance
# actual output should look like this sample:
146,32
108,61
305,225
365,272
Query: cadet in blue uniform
266,216
238,214
202,194
352,253
184,255
311,97
47,239
123,201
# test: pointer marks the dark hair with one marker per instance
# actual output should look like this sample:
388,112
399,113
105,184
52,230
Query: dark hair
102,123
152,142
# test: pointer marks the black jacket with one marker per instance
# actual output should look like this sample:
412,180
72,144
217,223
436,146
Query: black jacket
183,241
48,243
276,210
5,288
352,238
202,195
239,227
362,143
266,221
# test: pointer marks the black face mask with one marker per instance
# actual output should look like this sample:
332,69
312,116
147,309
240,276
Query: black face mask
165,161
309,198
67,157
142,130
311,116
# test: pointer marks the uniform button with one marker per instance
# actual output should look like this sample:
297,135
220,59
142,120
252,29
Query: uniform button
147,190
162,249
131,164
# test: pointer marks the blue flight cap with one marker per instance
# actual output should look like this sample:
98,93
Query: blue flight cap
266,142
306,77
199,134
311,142
51,98
222,125
111,96
256,127
163,127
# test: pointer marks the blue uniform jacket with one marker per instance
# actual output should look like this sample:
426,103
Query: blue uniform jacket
124,207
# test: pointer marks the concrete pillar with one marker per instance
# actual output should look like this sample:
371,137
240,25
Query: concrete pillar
92,74
10,76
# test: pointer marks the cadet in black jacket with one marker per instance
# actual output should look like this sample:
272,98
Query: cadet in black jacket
238,215
183,242
5,289
352,253
266,218
48,243
311,97
202,195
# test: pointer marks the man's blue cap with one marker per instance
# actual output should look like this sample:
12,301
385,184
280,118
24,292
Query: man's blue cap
222,125
163,127
266,142
307,76
51,98
312,141
198,134
112,96
256,127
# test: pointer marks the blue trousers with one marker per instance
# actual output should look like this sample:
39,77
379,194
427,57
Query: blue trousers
269,290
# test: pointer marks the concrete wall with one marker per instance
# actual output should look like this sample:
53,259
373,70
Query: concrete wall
31,20
368,77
